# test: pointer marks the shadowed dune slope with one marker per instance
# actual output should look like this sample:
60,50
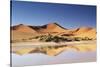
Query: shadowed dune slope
53,28
23,28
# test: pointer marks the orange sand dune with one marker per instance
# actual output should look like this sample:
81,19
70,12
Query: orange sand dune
53,27
82,30
90,33
24,28
21,31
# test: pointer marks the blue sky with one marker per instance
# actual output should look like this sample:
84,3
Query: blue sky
67,15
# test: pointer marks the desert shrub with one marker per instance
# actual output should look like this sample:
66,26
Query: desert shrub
50,47
32,38
59,39
42,38
51,38
36,37
77,39
69,39
90,39
86,38
24,40
56,39
56,47
67,35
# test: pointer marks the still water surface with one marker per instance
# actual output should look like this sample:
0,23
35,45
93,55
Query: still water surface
42,59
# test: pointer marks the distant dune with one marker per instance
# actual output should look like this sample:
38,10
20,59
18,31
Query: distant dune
82,30
21,31
23,28
86,32
53,28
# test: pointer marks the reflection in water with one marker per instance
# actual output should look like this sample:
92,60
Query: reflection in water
64,57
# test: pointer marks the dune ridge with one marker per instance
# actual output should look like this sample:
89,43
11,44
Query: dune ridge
23,28
54,28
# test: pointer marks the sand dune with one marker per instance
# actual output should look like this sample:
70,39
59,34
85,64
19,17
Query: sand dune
53,28
87,32
23,28
18,36
82,30
20,31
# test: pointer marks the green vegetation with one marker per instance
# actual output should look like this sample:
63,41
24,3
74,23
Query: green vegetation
77,39
51,38
24,39
82,39
86,38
